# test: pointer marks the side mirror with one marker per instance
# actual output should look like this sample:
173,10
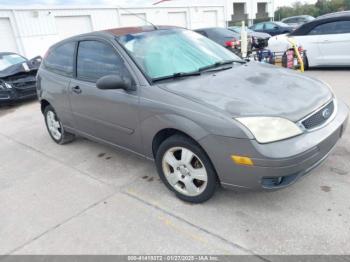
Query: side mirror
275,27
110,82
36,61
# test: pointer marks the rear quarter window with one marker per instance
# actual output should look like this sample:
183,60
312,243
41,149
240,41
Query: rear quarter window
60,59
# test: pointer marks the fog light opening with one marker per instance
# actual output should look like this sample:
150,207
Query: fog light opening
272,181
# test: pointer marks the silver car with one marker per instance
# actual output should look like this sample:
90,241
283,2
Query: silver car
205,116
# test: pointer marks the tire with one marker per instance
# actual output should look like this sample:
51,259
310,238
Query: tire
60,136
191,175
306,62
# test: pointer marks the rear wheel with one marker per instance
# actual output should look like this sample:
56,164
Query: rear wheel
306,61
186,169
55,127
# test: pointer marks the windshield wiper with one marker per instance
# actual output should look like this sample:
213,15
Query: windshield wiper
176,75
221,63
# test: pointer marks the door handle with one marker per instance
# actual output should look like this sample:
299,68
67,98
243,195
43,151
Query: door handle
76,89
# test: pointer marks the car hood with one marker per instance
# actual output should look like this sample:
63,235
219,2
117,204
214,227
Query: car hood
255,89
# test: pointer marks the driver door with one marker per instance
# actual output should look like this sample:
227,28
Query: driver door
108,115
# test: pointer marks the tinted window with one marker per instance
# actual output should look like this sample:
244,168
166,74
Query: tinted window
270,26
258,26
281,24
338,27
60,59
201,32
97,59
290,20
223,32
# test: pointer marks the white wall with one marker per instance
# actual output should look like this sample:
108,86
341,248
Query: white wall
34,29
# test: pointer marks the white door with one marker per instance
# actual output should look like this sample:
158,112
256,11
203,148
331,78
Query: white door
68,26
210,18
310,44
177,19
7,37
133,19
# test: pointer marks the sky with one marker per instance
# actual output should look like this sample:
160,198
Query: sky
109,2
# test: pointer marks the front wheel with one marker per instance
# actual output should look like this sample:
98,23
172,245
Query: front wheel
186,169
55,127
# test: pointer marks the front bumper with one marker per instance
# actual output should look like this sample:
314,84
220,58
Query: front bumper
278,164
15,94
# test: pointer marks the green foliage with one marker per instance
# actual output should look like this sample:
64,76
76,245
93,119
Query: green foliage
321,7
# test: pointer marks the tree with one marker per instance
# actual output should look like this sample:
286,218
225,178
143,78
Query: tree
321,7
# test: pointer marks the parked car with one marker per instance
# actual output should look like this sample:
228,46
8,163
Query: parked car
296,21
223,37
340,13
203,114
325,39
251,33
17,77
272,28
255,38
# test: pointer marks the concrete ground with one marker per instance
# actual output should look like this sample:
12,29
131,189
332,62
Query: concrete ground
85,198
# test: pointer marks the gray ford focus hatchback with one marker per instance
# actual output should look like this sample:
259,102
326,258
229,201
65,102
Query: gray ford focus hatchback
204,116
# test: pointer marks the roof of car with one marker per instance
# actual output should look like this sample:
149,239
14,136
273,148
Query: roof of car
336,14
296,16
305,28
137,29
113,32
210,28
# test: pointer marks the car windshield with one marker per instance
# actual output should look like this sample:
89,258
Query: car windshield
162,53
8,60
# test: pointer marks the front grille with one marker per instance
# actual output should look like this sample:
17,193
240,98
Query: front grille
23,85
22,82
320,117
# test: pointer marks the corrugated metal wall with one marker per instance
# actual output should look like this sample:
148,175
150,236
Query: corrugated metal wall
36,29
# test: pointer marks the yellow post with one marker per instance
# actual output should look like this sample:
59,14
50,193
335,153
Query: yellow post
296,50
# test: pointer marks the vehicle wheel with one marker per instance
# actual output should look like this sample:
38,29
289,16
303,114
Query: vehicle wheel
306,62
186,169
55,128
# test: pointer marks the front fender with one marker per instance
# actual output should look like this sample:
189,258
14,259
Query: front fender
153,125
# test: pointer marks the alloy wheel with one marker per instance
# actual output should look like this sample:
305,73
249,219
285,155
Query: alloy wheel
184,171
53,125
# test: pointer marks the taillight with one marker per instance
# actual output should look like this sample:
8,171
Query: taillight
229,44
232,43
46,53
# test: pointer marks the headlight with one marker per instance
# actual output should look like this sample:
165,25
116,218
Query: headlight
270,129
7,85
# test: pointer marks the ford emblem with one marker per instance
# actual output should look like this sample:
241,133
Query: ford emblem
326,113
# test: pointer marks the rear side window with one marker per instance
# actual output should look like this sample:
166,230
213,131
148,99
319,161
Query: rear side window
270,26
258,26
290,20
338,27
96,59
60,59
202,33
